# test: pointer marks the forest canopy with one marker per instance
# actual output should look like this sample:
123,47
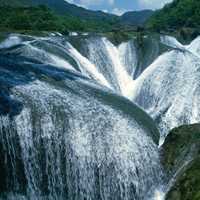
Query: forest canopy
44,19
176,15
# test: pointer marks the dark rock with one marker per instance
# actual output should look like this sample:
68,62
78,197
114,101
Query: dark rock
181,145
181,160
187,185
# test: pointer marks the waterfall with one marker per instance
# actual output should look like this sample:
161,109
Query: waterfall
64,108
120,69
65,136
86,66
11,41
128,56
109,60
172,42
124,79
169,88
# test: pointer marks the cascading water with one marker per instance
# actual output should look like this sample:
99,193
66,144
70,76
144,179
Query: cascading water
129,57
104,51
169,88
65,136
108,60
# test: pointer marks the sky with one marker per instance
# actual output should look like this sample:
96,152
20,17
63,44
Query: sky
120,6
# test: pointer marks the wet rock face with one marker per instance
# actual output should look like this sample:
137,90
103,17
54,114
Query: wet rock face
187,186
181,160
181,146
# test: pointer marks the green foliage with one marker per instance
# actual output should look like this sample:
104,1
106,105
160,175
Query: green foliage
181,142
176,15
181,153
187,185
64,16
31,18
117,37
41,18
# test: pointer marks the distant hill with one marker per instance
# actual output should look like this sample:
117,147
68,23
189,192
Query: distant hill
129,18
176,15
136,17
61,7
61,16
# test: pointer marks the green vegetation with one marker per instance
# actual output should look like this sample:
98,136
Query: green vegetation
180,14
15,3
21,18
41,18
187,186
61,7
181,143
59,15
181,153
117,37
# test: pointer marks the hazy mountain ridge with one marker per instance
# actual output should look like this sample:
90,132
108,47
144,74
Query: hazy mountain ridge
136,17
62,7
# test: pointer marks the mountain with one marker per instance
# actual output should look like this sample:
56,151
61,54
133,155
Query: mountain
62,7
58,15
176,15
136,17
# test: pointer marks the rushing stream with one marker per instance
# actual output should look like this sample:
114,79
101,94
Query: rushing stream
68,126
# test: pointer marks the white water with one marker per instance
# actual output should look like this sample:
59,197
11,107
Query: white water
109,60
11,41
172,42
106,152
128,56
47,58
86,66
159,195
124,79
169,88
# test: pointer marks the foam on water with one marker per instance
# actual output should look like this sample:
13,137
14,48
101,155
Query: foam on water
86,66
10,41
128,56
46,57
171,42
159,195
76,147
124,79
113,62
76,140
169,88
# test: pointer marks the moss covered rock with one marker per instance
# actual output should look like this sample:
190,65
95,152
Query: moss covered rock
187,185
181,160
181,145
